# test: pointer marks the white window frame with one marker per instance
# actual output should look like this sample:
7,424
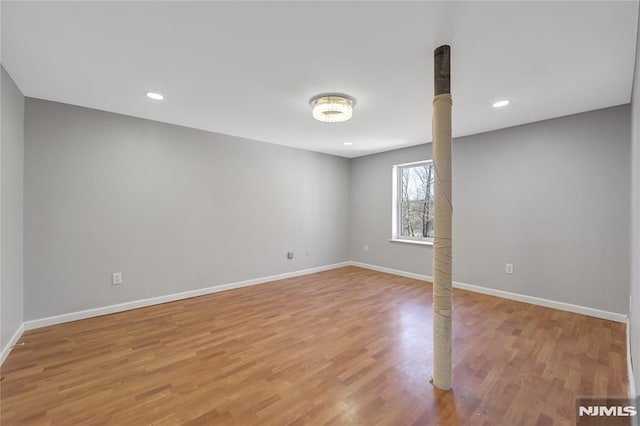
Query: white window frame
396,202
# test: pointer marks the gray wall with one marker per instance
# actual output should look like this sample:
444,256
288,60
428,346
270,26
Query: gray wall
12,166
550,197
172,208
634,304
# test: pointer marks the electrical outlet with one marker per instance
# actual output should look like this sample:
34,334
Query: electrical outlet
289,255
116,278
366,248
508,268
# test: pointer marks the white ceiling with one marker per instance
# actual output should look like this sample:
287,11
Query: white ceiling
249,68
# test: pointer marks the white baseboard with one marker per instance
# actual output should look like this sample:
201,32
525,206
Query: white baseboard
11,343
105,310
592,312
584,310
392,271
632,383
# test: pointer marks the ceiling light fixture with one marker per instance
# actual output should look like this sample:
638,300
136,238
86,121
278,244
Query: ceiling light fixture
501,104
155,96
332,108
348,143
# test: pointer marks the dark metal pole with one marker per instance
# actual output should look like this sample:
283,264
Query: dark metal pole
442,70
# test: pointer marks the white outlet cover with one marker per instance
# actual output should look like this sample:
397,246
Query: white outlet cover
116,278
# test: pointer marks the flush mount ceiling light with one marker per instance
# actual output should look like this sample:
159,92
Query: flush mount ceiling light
332,107
348,143
155,96
500,104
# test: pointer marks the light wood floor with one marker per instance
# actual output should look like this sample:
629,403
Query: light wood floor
342,347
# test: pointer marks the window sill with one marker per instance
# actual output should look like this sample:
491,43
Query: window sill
416,242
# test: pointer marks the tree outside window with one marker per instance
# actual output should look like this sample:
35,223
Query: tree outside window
414,201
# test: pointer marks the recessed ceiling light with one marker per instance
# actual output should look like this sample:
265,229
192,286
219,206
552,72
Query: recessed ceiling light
156,96
348,143
332,108
501,104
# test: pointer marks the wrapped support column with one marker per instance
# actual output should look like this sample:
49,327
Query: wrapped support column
443,211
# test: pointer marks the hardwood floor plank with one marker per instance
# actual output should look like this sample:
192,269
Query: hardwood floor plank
347,346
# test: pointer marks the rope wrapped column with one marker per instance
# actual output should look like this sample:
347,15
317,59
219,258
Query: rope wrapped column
443,211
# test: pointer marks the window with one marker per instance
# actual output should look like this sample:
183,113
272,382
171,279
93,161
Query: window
413,202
